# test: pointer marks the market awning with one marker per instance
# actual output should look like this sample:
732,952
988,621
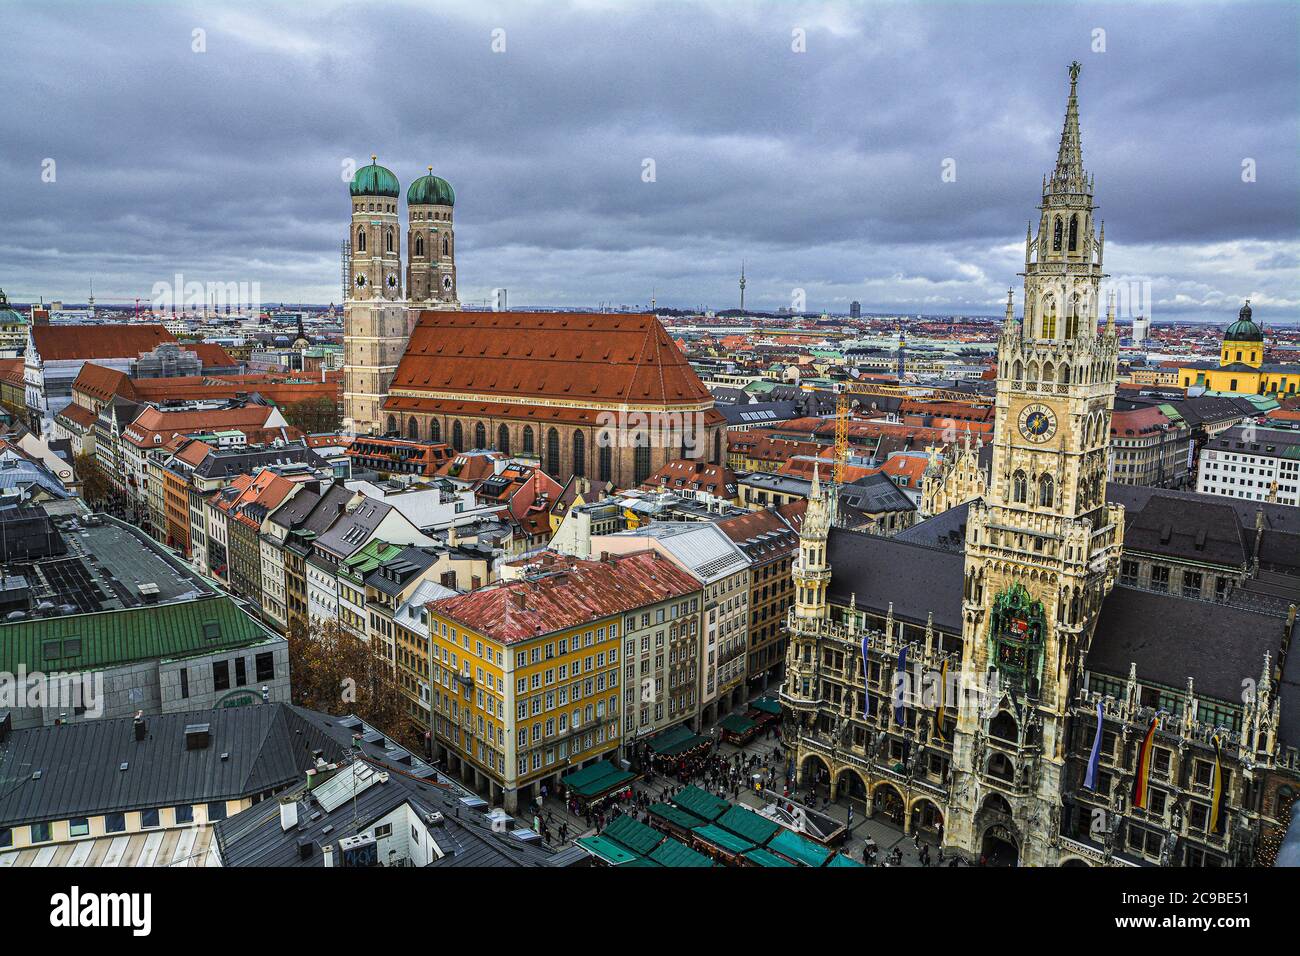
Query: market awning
736,724
607,850
723,839
765,858
701,803
598,779
675,853
633,834
675,740
798,848
768,705
748,824
675,815
839,859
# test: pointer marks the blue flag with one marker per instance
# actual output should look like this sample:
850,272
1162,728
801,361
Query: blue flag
866,678
1090,781
900,682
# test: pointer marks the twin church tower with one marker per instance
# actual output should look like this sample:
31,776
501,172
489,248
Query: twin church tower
382,303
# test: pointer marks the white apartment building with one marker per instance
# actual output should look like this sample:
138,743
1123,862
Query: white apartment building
1251,462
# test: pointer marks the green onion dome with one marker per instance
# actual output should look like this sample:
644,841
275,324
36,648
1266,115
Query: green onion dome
431,190
375,180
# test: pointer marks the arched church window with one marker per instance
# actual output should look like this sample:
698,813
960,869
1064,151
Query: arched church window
1056,235
552,452
503,439
388,241
435,430
419,245
361,240
717,448
1019,487
457,437
579,453
392,424
413,429
446,246
1046,491
528,439
641,460
480,436
1049,317
1072,319
606,463
1074,232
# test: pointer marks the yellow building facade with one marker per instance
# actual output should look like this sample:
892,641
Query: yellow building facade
1241,366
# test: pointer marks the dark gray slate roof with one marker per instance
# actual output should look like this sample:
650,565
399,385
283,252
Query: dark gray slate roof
255,837
877,570
352,529
393,575
875,494
945,530
1290,696
1171,638
267,746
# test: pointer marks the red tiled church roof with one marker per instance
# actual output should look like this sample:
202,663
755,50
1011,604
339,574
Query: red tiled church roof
592,357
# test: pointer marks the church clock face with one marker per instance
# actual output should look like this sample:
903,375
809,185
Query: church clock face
361,280
1037,423
392,280
446,283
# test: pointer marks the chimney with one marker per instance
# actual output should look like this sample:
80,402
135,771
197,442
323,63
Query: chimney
288,813
139,725
520,599
328,850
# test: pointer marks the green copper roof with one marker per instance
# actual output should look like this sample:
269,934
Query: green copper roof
431,190
1244,329
375,180
94,641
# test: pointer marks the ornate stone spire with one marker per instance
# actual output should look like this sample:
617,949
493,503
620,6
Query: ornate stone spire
1069,177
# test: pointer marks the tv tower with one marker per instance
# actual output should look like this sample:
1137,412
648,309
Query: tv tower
742,285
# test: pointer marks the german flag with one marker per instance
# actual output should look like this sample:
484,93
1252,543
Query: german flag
1144,765
1216,787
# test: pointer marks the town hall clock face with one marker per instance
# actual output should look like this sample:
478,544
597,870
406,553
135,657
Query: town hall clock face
1037,423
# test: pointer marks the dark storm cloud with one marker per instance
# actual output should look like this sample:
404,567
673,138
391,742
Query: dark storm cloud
820,169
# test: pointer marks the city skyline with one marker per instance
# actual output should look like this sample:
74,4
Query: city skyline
823,170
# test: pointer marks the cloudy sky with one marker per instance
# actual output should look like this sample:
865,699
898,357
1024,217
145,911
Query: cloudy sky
821,169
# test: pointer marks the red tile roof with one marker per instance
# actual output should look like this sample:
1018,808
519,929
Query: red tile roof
594,357
127,340
250,419
692,474
569,593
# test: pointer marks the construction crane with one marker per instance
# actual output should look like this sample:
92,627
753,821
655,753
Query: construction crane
844,389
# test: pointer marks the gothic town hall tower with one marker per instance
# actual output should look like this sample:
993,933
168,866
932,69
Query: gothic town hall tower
1042,548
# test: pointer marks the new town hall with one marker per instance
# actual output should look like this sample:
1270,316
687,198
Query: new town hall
954,677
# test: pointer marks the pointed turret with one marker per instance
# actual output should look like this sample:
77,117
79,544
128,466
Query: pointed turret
1069,177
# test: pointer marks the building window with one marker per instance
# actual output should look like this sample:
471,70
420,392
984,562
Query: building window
40,832
114,822
265,666
552,452
1159,578
503,439
361,240
221,675
185,682
606,463
148,819
1191,584
216,811
1019,488
183,814
579,453
528,439
1128,572
79,826
457,437
241,672
480,435
1045,491
641,460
